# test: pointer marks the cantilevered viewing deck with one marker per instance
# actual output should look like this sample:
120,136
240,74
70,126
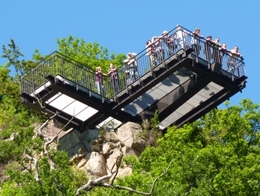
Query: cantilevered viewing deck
181,81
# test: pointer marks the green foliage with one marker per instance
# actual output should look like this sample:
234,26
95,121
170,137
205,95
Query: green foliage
13,54
90,54
15,119
130,161
155,121
216,155
16,132
151,131
102,132
60,181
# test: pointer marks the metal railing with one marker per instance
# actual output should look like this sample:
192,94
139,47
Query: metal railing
156,53
57,64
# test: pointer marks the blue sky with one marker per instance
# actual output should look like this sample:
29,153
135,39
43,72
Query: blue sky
124,26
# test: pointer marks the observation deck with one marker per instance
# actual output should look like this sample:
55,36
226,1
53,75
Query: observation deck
181,81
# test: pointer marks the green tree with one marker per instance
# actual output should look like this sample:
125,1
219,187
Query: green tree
90,54
17,128
216,155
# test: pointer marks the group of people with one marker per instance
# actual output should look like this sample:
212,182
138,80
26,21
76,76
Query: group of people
214,51
159,46
114,79
130,69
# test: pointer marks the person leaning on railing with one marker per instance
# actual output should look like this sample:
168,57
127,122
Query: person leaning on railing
223,52
150,50
234,56
216,50
99,81
208,45
169,42
159,52
180,36
195,41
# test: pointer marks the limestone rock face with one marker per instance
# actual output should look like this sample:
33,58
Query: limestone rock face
129,134
96,165
111,137
82,162
108,147
74,140
97,154
111,159
122,172
139,145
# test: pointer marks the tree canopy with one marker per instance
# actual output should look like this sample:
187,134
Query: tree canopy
91,54
216,155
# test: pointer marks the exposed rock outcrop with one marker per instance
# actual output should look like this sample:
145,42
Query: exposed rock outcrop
107,148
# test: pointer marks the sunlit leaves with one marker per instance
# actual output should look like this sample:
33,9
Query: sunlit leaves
89,54
216,155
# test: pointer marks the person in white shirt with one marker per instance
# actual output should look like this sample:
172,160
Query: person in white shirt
235,52
234,56
180,37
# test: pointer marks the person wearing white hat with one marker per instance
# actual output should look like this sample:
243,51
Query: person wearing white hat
164,32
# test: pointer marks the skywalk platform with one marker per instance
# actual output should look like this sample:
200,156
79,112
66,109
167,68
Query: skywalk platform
182,87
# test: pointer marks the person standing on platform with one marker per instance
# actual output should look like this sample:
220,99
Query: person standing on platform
208,47
159,52
234,56
169,42
223,52
114,79
216,50
150,52
180,38
99,81
195,41
126,70
132,66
